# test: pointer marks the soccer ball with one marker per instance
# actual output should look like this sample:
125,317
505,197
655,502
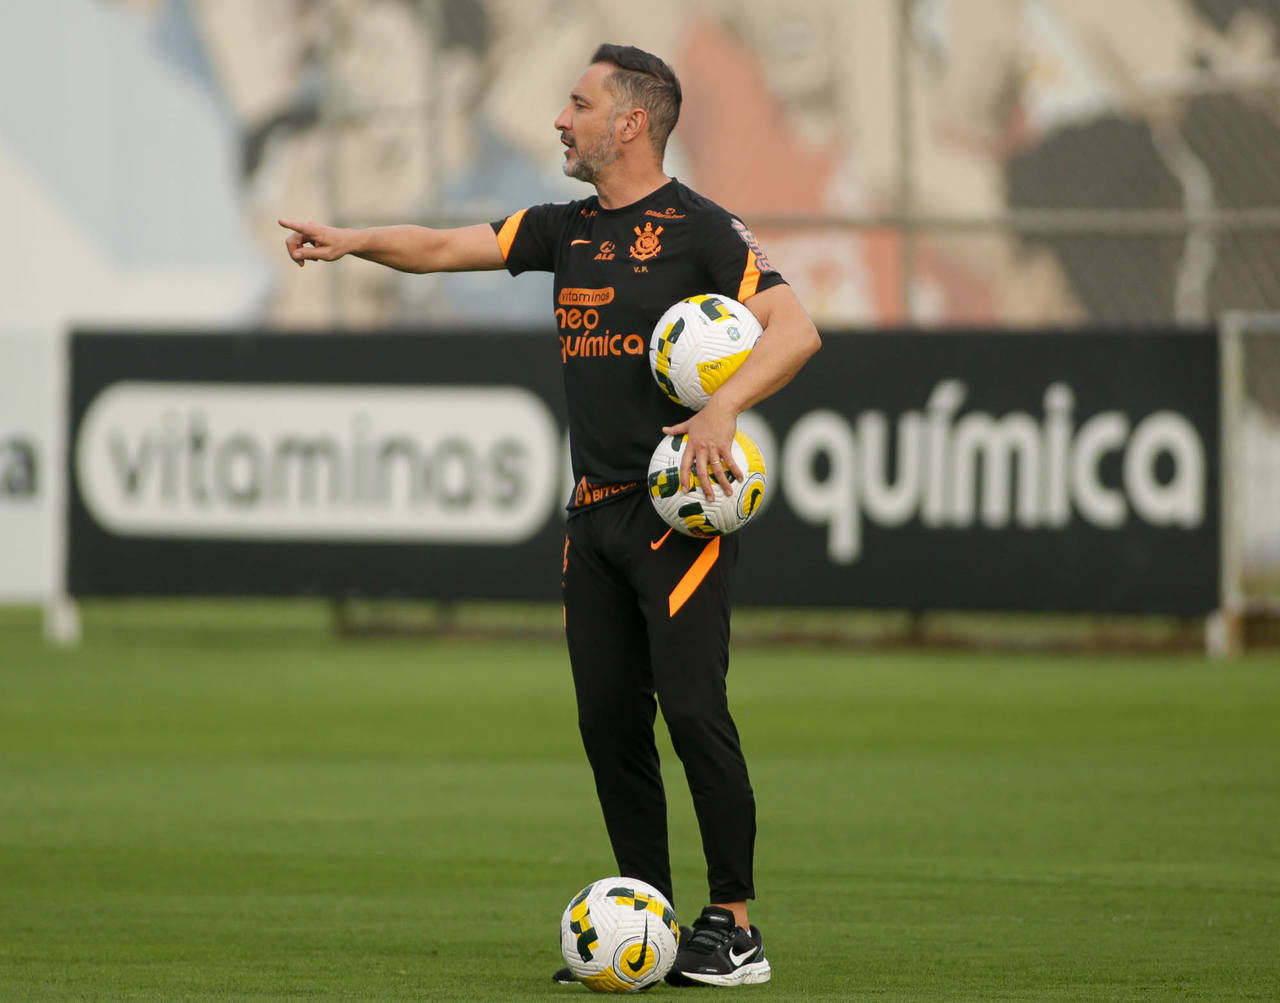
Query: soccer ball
690,512
619,935
698,344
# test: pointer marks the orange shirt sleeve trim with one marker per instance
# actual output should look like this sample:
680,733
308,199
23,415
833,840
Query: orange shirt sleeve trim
507,235
750,279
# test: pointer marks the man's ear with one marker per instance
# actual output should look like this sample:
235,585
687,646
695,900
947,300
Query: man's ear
633,124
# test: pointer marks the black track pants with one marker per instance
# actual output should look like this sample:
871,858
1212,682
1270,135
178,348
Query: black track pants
647,615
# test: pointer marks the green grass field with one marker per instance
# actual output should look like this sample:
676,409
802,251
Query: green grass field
222,802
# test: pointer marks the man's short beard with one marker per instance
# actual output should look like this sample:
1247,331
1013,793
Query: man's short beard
591,162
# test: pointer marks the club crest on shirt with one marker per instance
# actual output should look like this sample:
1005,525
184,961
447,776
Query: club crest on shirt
646,245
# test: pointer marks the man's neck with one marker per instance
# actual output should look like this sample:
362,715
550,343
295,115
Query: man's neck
627,188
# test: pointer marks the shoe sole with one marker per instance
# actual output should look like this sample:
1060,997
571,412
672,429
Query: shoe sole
754,974
563,977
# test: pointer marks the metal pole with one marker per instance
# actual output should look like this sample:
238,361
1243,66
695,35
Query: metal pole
430,114
430,111
906,156
331,118
1225,634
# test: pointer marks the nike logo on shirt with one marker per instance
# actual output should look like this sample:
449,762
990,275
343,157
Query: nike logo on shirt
579,241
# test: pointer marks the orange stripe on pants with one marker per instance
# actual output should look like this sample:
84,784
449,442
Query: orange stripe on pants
688,585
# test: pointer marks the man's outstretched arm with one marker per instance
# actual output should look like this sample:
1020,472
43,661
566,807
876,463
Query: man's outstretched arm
406,248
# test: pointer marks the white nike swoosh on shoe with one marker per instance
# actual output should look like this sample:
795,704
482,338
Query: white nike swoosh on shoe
736,959
753,974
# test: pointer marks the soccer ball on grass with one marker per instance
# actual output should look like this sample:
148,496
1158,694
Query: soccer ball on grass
698,344
619,935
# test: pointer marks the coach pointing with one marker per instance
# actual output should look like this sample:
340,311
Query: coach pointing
646,614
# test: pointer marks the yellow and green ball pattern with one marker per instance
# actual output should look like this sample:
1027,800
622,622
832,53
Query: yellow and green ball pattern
698,344
691,512
619,935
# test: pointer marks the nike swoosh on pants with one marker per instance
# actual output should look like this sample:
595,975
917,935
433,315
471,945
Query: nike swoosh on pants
655,544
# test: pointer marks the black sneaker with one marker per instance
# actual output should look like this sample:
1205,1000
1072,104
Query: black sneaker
720,953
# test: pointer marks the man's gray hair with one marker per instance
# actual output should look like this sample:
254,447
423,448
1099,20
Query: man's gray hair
642,79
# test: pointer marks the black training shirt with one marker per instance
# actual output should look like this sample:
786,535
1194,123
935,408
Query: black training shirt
616,272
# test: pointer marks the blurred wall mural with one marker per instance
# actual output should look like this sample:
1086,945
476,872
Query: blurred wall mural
939,161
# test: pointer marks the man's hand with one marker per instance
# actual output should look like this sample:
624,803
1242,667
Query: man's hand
316,242
789,339
709,449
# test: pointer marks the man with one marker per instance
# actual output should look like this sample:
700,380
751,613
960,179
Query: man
646,611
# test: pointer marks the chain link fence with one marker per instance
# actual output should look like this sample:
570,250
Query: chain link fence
987,163
992,162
